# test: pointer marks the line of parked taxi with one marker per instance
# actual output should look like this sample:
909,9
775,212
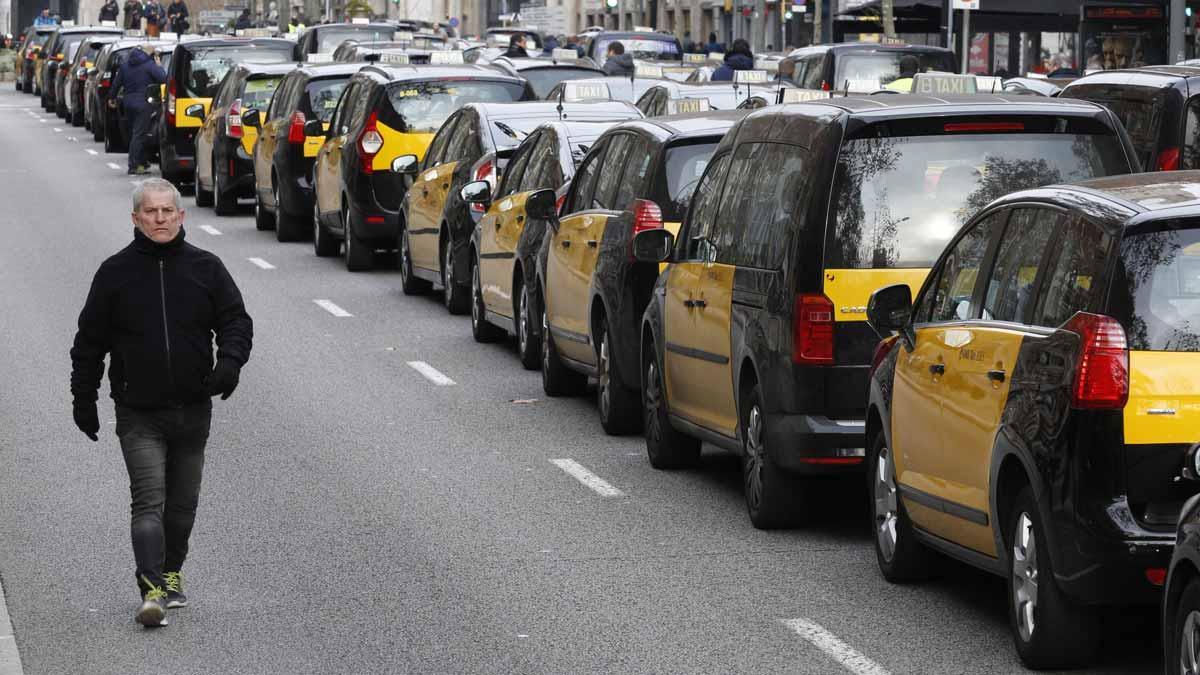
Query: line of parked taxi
976,302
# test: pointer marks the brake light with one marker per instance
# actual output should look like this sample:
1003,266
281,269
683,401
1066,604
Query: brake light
824,86
1156,575
882,349
646,216
171,89
105,82
233,119
1102,372
812,330
296,129
967,127
1168,159
486,171
369,143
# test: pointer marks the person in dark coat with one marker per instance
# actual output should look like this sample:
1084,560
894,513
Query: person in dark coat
133,14
243,20
177,16
110,11
139,71
713,46
516,47
617,62
155,18
739,58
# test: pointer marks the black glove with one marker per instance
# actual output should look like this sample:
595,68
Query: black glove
223,379
86,418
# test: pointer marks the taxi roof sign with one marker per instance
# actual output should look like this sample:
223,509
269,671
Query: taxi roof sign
564,55
647,70
68,23
769,65
394,58
715,56
360,20
446,58
252,32
404,36
135,32
108,24
940,84
168,36
803,95
679,106
692,57
861,86
320,57
574,92
749,76
988,84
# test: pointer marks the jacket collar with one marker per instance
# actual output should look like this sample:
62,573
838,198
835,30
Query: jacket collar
147,245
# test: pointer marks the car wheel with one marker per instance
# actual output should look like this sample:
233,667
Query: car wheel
77,119
529,343
287,226
263,220
557,379
666,446
1183,644
203,197
358,255
619,404
224,199
481,330
113,143
409,282
456,297
901,557
773,497
324,243
1048,630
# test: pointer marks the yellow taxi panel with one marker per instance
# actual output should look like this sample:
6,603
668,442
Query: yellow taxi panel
396,143
850,289
312,144
1164,398
249,138
182,120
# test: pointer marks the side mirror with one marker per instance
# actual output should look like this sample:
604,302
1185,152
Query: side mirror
252,118
540,205
889,309
92,71
194,110
405,165
653,246
476,192
1191,463
314,128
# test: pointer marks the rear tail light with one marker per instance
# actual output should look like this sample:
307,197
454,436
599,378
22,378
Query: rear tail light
374,220
369,144
1156,575
233,119
812,330
558,203
105,82
1168,159
1102,372
171,90
882,349
296,129
968,127
646,216
486,171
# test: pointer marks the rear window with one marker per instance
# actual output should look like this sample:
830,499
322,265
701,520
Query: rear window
423,106
1140,110
900,199
884,67
329,38
684,166
1156,289
543,79
257,93
208,66
642,48
323,96
40,39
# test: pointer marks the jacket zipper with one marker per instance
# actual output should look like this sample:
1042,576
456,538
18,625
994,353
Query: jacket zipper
162,291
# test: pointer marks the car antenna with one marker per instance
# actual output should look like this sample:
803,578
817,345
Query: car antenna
559,107
846,90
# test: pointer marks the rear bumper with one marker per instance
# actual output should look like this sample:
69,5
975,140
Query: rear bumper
815,444
177,153
372,221
1112,570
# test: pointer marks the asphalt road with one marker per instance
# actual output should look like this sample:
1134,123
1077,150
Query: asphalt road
356,517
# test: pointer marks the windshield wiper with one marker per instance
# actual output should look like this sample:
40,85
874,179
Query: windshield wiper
509,131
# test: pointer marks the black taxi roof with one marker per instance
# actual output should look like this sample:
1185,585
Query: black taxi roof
1150,192
375,25
331,69
70,30
126,43
511,109
1160,77
961,103
867,46
400,72
531,62
233,41
689,125
267,68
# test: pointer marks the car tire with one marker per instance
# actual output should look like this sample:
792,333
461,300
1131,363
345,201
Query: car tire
203,197
76,118
1183,650
481,330
529,340
112,144
774,498
224,199
325,244
97,131
900,556
409,283
666,447
455,296
358,255
1048,630
287,226
619,404
557,378
264,220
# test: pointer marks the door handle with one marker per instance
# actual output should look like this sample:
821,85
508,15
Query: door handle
566,243
445,186
424,192
498,224
591,243
689,303
995,375
520,219
937,369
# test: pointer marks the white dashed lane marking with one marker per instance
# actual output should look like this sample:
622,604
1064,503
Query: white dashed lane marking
332,308
114,166
211,230
263,264
432,374
581,474
57,130
850,658
10,657
91,151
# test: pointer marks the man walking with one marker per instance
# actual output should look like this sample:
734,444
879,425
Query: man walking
139,71
154,309
109,11
133,14
177,16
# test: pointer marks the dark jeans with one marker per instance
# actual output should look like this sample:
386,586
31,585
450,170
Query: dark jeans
139,117
164,454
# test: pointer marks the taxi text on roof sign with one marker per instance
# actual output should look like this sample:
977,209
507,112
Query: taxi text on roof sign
694,58
937,84
108,24
688,105
564,55
647,70
770,65
394,58
589,91
135,32
319,57
404,36
802,95
445,58
360,20
749,76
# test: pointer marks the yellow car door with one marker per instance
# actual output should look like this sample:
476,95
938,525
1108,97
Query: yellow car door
567,285
205,138
498,250
684,391
428,199
264,152
710,340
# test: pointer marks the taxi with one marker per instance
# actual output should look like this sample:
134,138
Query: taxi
324,38
224,167
387,111
673,98
73,85
506,242
436,224
543,73
756,337
615,87
643,45
1031,412
293,128
196,69
25,66
639,176
58,51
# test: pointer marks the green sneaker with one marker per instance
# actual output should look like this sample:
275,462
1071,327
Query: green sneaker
153,612
174,583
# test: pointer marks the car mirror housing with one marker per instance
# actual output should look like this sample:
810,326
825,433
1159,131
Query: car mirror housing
252,118
194,110
476,192
314,128
653,246
154,93
405,165
889,309
540,205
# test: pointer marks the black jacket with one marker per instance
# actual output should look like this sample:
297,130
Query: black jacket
138,72
733,61
621,64
154,308
109,11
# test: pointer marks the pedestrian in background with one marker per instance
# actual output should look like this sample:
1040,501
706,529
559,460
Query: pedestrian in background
243,20
133,14
739,58
617,62
154,15
689,45
714,47
44,19
110,11
177,16
139,71
516,46
153,309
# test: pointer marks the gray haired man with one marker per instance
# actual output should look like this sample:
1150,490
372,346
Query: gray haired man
154,309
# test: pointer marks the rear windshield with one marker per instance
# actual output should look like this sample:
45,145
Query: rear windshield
644,48
40,39
257,93
1156,289
1140,110
329,38
543,79
684,167
900,199
323,96
884,67
208,66
423,106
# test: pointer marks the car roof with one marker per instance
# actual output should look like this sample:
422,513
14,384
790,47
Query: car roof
356,26
327,69
1149,76
509,110
398,72
531,62
236,42
1149,192
666,37
92,29
883,106
867,46
267,68
126,43
689,125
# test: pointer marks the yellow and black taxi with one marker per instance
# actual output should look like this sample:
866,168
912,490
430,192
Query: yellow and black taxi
543,73
74,85
756,338
1159,106
58,51
673,98
387,112
864,67
639,176
106,115
1181,597
436,223
507,240
224,166
1033,412
197,68
324,38
292,129
25,65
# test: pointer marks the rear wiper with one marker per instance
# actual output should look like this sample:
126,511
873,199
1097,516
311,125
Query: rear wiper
511,132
